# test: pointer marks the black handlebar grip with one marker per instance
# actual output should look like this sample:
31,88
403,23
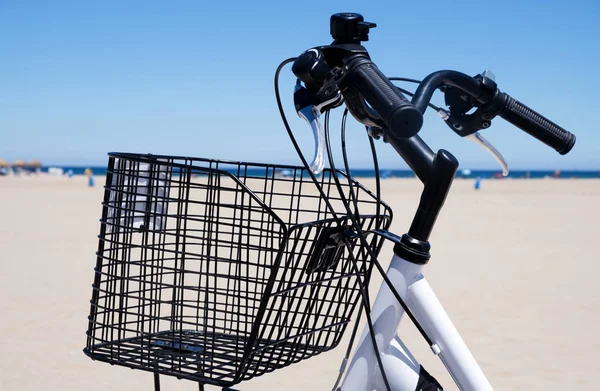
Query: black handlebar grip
402,118
536,125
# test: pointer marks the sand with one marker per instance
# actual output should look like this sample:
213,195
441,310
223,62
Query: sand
515,265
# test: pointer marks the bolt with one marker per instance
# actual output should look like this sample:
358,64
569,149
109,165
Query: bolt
485,124
486,116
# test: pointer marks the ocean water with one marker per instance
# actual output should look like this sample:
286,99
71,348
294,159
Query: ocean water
391,173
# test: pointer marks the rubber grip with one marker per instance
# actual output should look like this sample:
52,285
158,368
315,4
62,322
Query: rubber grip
402,118
536,125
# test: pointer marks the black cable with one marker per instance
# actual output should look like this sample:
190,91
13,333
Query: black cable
377,217
364,292
436,108
346,165
405,79
408,312
293,139
350,344
361,236
355,224
377,177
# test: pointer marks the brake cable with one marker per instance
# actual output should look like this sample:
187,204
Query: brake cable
364,292
296,146
436,108
360,232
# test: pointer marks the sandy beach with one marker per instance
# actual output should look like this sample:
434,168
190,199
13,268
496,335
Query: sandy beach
515,265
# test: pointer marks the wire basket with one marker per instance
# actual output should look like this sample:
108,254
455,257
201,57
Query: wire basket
218,271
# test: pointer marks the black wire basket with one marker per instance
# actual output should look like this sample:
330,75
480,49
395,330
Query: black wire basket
218,271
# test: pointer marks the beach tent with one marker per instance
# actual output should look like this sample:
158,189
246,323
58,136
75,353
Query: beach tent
4,167
34,166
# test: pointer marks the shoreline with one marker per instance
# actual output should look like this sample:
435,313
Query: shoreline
457,178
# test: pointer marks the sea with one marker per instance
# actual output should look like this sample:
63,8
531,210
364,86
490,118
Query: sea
393,173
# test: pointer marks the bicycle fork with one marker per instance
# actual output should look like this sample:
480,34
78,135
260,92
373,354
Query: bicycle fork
402,370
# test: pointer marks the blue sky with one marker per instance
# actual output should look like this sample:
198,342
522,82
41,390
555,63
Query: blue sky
81,78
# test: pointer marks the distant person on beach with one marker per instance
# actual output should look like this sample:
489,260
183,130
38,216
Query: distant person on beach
90,174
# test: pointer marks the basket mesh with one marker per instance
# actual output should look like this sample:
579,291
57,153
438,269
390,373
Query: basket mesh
219,271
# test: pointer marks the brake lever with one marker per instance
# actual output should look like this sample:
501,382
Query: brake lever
477,138
310,111
311,115
462,129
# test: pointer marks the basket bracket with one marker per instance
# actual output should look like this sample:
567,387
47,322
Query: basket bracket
329,248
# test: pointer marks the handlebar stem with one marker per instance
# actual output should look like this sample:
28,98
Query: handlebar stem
436,171
434,194
417,154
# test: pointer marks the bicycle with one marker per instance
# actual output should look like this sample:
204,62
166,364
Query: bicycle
261,266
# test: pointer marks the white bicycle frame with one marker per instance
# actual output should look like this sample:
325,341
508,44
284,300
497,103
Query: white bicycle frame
401,368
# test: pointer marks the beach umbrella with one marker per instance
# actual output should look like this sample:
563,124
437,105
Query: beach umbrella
18,163
34,164
4,163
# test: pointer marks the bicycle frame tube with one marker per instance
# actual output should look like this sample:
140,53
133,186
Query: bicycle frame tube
401,368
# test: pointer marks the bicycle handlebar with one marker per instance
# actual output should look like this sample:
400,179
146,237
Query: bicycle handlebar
500,104
402,118
345,66
537,126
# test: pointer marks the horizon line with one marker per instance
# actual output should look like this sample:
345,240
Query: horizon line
370,169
